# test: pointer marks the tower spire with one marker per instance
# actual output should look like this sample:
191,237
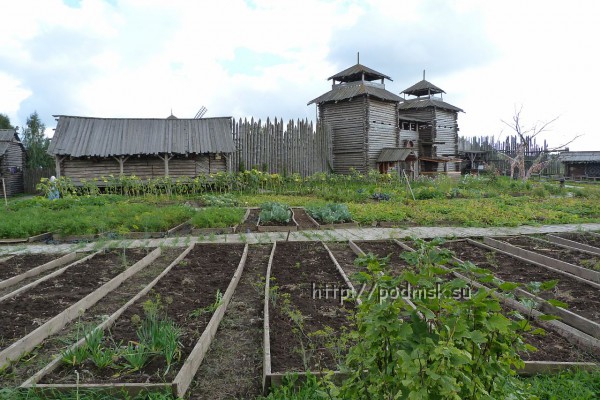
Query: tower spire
358,57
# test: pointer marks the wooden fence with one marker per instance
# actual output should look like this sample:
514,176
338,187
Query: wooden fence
31,177
275,147
508,146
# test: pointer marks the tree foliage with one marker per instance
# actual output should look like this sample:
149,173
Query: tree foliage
36,143
5,122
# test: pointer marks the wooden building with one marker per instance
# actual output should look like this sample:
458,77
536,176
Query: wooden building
362,117
581,164
436,123
88,148
12,162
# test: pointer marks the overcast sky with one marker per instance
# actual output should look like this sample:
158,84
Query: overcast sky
268,58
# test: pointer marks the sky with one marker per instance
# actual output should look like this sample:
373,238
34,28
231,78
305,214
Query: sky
269,58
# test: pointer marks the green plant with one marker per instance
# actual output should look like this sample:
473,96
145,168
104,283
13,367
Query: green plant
275,212
136,355
447,347
210,308
330,213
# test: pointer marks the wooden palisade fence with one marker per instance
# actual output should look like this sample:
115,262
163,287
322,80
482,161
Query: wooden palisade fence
275,147
509,146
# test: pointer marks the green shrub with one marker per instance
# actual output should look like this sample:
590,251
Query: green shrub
275,212
330,213
217,217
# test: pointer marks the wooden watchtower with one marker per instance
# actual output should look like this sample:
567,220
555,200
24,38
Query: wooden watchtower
437,126
362,116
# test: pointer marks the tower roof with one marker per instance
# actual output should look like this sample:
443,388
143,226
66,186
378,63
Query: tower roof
351,90
423,88
355,73
427,102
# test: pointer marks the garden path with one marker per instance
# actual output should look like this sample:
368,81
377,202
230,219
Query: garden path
326,235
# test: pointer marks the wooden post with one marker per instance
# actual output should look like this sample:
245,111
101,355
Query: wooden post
121,160
57,161
166,159
4,191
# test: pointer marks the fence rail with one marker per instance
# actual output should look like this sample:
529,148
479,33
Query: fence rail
31,177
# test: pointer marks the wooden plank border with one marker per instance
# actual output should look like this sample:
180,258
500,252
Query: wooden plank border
575,320
67,258
184,377
573,244
34,379
584,273
266,378
47,277
55,324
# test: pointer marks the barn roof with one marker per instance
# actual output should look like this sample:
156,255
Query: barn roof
422,88
391,154
104,137
427,102
579,156
354,73
351,90
8,136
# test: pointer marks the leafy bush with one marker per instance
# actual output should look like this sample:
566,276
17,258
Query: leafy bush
275,212
330,213
224,200
381,196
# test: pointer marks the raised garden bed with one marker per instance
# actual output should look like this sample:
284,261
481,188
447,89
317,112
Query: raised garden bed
331,216
29,315
383,248
571,256
577,241
583,298
250,222
545,253
274,224
303,219
588,238
294,312
217,220
193,293
30,239
345,256
17,268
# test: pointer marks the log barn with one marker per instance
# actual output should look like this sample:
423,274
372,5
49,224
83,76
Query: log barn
437,124
581,164
12,162
86,148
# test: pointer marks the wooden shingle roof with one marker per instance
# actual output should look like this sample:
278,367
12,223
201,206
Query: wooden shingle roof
351,90
8,136
423,88
104,137
354,73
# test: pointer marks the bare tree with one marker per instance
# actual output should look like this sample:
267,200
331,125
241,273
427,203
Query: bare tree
525,137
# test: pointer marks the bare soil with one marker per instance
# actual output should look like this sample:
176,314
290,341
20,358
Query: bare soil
249,224
20,264
18,372
551,346
582,237
552,250
582,299
232,368
304,222
190,285
384,248
296,266
23,313
345,257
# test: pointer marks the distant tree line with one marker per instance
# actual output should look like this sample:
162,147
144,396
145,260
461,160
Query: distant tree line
33,139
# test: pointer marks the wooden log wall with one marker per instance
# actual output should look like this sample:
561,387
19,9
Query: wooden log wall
446,132
272,146
31,177
11,169
144,167
348,123
382,128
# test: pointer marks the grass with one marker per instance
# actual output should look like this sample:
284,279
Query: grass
218,217
572,385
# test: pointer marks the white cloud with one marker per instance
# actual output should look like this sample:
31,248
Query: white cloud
270,57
